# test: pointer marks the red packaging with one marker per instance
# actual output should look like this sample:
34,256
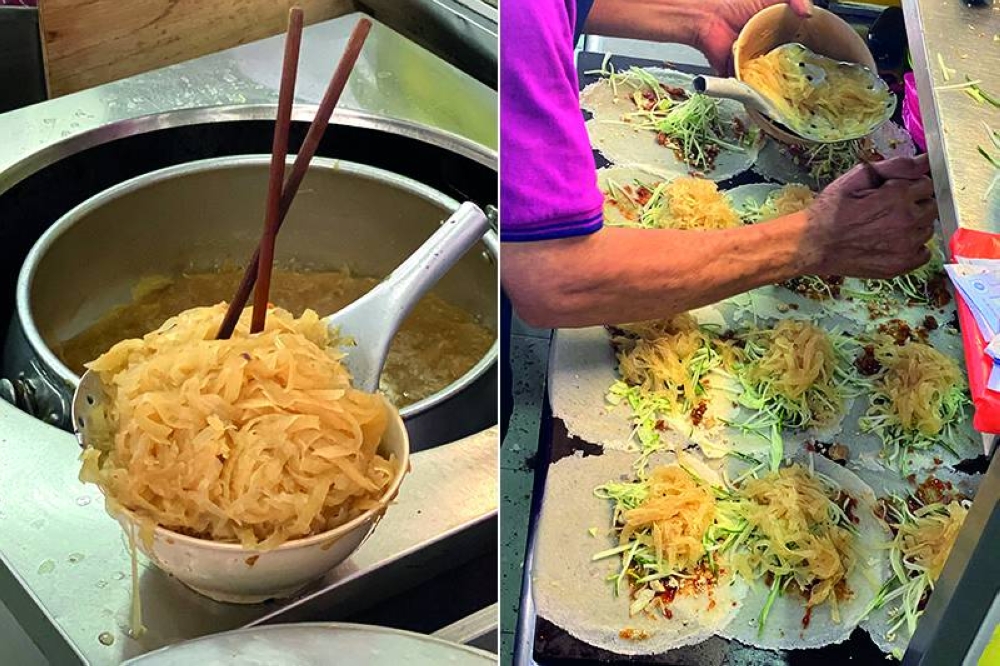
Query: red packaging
977,245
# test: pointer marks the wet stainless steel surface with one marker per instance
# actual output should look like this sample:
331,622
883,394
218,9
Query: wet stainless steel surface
961,36
63,561
65,572
393,77
463,32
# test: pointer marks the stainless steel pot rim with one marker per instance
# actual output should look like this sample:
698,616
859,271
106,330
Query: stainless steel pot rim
52,234
233,113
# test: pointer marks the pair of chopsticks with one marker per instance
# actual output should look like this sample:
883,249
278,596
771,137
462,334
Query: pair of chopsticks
281,193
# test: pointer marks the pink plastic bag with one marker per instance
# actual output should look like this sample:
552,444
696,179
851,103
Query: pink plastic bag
911,111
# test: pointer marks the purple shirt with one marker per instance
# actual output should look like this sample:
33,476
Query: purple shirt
548,179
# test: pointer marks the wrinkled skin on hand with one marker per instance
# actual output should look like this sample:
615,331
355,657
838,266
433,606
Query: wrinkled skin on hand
726,20
859,227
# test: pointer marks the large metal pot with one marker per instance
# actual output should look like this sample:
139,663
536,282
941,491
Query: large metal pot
202,214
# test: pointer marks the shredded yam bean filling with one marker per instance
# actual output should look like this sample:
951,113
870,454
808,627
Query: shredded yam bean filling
801,363
657,356
673,518
258,439
798,531
927,541
917,381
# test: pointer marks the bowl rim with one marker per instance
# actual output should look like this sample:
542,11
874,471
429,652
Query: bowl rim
387,497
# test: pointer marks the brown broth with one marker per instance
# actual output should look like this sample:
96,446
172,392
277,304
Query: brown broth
437,344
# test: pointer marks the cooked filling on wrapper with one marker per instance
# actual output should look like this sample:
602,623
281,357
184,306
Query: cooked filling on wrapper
786,200
666,368
918,397
685,203
794,375
662,522
791,528
685,122
795,530
924,533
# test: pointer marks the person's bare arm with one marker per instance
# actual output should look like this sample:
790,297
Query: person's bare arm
710,26
673,21
621,275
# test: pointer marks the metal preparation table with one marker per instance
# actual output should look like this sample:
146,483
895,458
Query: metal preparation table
63,562
963,611
962,35
393,78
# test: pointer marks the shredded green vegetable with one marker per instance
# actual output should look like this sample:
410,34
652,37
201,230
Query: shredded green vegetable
825,162
733,533
914,287
650,408
693,127
910,583
898,443
774,410
976,92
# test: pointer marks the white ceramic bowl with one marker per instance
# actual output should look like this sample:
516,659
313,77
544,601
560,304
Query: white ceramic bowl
230,573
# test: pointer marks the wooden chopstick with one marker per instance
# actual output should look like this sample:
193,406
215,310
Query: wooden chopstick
279,151
309,146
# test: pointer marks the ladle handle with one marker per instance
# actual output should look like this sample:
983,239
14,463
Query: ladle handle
373,319
721,88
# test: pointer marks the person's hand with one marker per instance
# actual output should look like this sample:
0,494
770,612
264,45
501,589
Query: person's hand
861,228
725,20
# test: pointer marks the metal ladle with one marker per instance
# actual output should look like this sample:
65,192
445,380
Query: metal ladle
371,321
812,128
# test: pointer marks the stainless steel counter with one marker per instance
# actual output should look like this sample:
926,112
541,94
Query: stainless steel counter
963,37
393,77
63,562
963,611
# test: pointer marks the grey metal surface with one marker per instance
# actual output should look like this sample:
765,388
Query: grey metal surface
22,73
962,36
394,78
65,562
478,630
463,32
